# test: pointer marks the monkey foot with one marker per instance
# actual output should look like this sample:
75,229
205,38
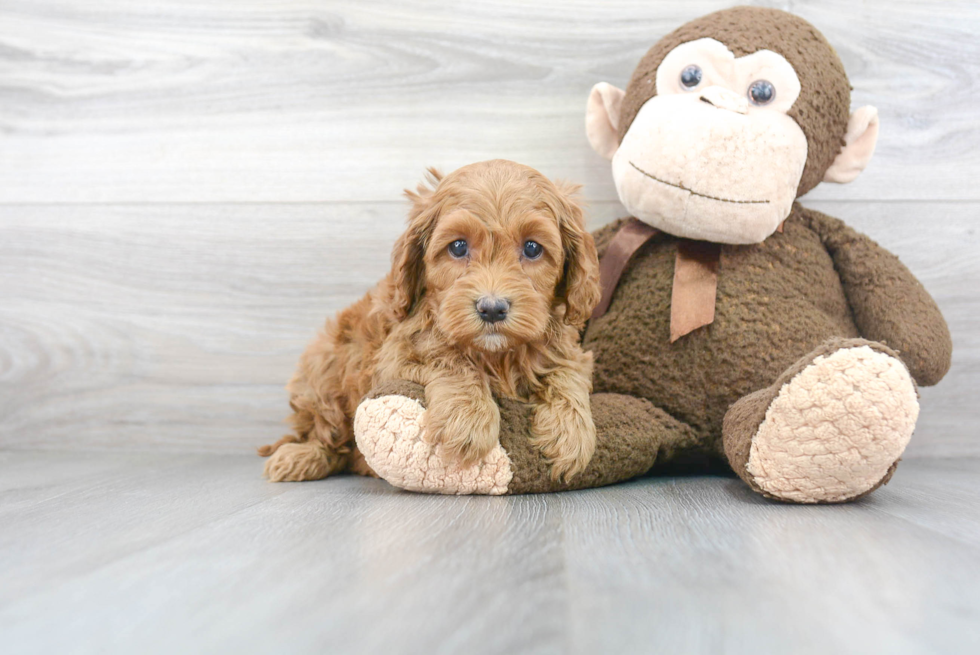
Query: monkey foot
830,430
390,431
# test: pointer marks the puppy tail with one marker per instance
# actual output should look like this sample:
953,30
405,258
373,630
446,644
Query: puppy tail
268,449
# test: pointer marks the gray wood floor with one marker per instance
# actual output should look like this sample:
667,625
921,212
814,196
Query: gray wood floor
154,553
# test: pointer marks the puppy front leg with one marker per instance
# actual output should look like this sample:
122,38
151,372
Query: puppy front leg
462,416
562,428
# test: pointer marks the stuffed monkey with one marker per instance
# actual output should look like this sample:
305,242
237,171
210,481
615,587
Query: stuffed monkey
735,323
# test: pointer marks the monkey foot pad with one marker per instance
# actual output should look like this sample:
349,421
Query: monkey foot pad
391,435
836,429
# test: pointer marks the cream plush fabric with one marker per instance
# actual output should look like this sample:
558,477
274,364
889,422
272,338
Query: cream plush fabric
835,429
391,436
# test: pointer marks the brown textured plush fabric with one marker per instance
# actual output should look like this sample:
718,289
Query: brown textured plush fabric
632,435
777,301
890,305
398,388
824,105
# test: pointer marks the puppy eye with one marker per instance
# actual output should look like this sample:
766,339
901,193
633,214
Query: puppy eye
458,248
532,249
762,92
691,77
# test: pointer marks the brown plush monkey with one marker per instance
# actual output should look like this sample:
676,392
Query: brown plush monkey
736,323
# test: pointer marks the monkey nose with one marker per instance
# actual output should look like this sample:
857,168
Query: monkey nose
722,98
491,309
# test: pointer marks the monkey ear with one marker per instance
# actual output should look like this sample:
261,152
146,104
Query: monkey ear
602,118
859,145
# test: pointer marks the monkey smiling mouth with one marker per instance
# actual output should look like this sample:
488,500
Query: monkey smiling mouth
695,193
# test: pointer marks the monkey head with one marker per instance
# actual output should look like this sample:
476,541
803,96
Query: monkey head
726,121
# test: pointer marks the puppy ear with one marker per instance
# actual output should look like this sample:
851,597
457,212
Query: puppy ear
579,287
407,275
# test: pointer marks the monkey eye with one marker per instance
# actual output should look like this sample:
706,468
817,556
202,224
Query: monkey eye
458,249
691,76
762,92
532,249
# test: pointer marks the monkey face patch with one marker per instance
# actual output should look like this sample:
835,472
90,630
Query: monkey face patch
713,155
712,145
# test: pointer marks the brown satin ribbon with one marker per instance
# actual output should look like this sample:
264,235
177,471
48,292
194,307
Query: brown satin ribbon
692,303
630,237
695,287
692,300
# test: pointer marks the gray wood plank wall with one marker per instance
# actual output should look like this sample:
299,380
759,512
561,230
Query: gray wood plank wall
188,189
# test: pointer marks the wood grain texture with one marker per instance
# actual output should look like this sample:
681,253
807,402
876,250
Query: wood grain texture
303,100
175,327
149,300
195,554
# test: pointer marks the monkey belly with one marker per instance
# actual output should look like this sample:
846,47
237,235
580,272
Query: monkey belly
776,301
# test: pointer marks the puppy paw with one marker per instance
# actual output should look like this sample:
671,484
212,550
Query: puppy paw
566,435
464,432
307,460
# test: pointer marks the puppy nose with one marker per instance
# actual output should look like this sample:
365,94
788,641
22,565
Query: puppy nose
492,310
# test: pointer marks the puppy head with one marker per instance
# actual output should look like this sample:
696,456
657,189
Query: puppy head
498,254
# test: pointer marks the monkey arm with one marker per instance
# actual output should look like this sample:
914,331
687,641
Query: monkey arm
889,304
390,432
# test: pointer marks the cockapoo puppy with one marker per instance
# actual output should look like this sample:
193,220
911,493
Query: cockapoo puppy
488,290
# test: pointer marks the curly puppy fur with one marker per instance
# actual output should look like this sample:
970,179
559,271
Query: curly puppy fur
421,323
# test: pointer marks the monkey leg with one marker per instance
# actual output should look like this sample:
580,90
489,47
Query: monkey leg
389,428
831,429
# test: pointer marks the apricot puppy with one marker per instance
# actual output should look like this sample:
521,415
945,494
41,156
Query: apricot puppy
489,288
